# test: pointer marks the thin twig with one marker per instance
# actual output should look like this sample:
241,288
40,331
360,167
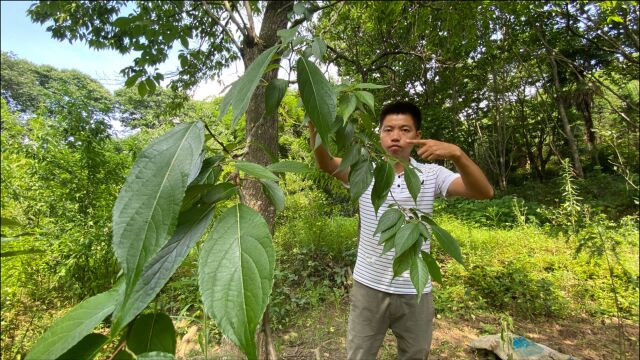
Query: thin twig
224,148
117,350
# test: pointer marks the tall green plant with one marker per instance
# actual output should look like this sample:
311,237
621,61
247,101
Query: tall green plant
167,202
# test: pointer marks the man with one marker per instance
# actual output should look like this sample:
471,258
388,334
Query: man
378,301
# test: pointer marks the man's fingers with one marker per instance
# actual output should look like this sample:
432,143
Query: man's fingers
417,141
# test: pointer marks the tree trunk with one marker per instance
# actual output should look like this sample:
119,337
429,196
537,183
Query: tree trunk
584,106
262,137
568,133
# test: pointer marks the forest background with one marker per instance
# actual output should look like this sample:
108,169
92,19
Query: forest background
543,96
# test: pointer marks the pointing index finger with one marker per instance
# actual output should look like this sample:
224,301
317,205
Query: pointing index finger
417,141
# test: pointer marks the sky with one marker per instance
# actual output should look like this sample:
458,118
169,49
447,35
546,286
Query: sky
31,41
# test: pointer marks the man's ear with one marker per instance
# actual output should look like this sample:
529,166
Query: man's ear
419,134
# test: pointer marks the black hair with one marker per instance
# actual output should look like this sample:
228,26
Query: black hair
402,107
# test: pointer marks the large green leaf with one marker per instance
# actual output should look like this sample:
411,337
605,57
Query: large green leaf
406,237
74,325
273,95
274,194
413,182
146,211
236,274
318,97
344,136
192,225
432,265
209,171
448,243
193,194
219,192
286,35
419,274
289,166
318,48
256,170
152,332
390,233
347,105
366,98
351,156
402,262
242,89
383,175
87,348
360,177
388,219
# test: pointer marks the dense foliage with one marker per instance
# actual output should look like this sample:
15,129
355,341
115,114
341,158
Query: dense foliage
544,96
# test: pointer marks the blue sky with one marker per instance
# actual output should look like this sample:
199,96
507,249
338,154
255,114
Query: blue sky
31,41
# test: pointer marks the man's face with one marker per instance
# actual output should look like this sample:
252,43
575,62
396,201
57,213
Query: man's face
395,131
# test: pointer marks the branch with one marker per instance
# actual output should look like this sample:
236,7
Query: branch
225,28
619,49
389,53
241,28
340,55
624,117
252,28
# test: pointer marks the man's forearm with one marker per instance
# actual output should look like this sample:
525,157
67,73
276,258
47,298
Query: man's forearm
475,182
325,161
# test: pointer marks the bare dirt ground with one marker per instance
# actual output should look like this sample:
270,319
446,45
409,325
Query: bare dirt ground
320,334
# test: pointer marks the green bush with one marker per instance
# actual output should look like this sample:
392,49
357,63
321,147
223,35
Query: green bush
315,248
528,271
505,212
516,287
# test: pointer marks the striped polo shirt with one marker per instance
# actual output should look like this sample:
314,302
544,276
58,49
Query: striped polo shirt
374,269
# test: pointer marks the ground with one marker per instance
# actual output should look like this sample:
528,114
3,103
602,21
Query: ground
320,334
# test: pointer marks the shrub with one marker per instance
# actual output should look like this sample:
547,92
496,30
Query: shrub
516,287
315,248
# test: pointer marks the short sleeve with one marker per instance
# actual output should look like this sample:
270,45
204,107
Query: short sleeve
444,177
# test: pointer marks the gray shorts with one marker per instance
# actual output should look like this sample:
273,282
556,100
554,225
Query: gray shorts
373,312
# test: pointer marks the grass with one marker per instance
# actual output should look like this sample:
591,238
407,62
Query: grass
526,271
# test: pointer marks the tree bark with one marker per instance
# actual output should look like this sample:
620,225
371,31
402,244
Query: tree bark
262,137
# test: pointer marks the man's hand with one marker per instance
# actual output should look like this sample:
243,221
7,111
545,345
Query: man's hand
436,150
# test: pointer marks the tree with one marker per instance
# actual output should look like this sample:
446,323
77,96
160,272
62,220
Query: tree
223,33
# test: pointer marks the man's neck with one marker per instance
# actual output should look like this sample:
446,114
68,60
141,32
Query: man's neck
399,168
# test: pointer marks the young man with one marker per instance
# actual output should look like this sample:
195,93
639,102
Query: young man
378,301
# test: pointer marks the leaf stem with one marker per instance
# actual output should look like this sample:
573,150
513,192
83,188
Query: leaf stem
224,148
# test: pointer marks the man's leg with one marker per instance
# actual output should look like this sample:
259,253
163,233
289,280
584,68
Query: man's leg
411,323
368,322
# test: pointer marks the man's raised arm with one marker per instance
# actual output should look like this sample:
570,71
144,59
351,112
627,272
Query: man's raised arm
325,161
472,183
